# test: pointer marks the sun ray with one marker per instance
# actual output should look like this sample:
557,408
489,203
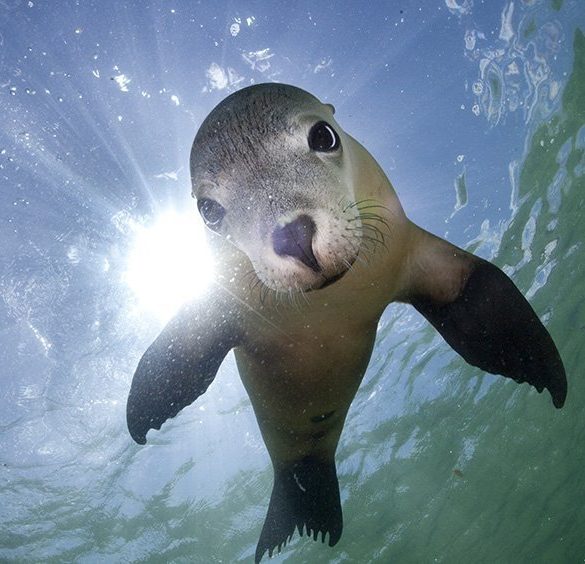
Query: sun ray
169,263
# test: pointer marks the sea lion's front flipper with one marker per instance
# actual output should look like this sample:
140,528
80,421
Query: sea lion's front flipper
178,367
484,317
305,496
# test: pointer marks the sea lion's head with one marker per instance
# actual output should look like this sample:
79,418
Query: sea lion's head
272,173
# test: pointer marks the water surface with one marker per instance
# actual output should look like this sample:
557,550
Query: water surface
475,110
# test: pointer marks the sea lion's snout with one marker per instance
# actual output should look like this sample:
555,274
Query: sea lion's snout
295,239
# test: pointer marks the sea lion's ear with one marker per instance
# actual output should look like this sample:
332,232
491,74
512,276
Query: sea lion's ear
178,367
483,316
331,107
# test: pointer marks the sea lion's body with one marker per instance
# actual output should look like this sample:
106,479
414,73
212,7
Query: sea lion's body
292,369
312,244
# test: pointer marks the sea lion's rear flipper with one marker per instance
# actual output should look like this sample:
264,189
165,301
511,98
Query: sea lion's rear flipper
178,367
484,317
305,496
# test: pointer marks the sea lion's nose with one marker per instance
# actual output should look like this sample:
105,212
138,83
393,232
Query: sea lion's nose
295,239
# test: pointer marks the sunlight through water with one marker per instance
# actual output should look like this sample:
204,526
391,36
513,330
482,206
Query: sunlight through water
169,263
476,112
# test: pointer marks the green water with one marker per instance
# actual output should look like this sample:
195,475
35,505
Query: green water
494,477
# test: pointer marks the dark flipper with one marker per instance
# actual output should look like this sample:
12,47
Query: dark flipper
492,326
305,496
177,368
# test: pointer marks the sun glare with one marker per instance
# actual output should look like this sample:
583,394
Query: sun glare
169,263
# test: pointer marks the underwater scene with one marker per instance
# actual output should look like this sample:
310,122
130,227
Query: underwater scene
475,110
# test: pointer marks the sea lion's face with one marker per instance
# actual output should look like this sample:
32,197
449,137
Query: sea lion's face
270,174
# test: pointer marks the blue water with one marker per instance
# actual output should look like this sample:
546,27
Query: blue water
476,112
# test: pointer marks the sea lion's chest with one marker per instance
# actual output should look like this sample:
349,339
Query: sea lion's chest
304,363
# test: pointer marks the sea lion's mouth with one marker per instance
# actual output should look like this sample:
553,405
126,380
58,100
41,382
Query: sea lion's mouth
337,277
333,279
326,282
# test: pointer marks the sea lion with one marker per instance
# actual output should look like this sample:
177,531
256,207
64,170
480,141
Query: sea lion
311,245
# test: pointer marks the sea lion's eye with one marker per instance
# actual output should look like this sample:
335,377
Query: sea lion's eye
323,138
211,211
